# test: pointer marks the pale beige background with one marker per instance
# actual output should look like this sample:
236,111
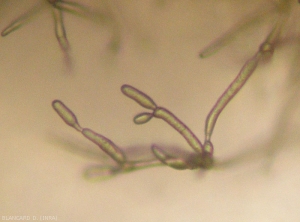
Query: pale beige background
159,45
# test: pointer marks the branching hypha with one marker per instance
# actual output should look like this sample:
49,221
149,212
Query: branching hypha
202,157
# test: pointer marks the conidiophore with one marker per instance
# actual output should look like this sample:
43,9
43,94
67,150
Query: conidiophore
202,157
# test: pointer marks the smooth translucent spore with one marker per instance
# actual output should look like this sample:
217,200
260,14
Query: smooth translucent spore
172,120
106,145
265,49
229,93
142,118
66,114
138,96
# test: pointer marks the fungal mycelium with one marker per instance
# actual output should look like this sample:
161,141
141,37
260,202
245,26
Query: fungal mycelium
202,155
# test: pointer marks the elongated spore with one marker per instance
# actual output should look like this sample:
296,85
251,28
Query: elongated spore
142,118
138,96
229,93
106,145
66,114
265,49
173,121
